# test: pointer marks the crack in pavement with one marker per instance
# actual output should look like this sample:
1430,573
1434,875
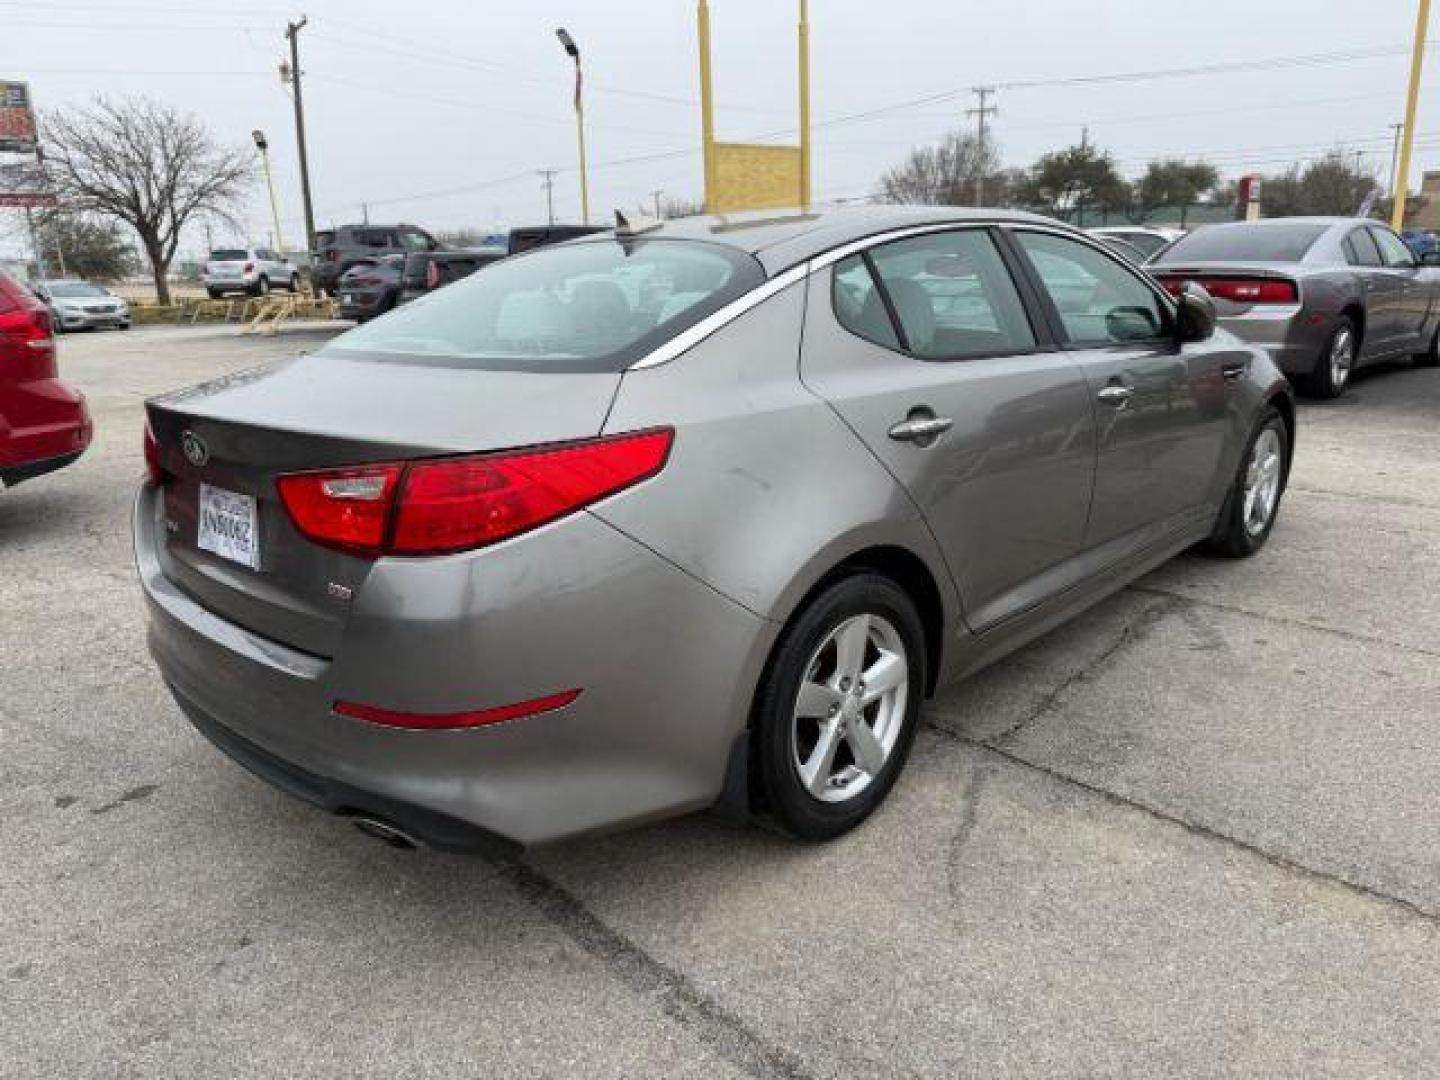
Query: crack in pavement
1132,633
1287,620
1361,496
1279,861
679,998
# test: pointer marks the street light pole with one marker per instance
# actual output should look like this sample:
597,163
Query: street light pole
573,51
263,145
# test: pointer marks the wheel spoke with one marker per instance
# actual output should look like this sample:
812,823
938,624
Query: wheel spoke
817,701
869,754
881,677
815,773
850,644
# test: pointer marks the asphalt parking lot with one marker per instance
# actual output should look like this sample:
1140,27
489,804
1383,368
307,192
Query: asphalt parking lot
1193,833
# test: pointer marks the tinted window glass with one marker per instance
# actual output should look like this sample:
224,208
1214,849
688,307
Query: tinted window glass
595,306
1392,248
1099,299
1247,241
75,289
953,296
229,255
1360,249
858,304
1147,243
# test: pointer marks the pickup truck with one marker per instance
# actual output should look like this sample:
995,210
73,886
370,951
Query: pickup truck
426,271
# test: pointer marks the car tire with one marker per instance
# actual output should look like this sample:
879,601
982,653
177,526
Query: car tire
1431,356
262,287
1253,502
214,294
817,779
1336,362
124,326
294,283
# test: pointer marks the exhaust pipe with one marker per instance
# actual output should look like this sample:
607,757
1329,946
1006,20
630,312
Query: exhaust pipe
385,833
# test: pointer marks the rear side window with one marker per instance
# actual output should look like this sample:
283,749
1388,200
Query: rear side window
591,306
1246,241
859,306
951,295
228,255
1100,301
1392,248
1360,249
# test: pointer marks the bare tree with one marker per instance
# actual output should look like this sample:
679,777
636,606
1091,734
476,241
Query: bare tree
942,175
147,164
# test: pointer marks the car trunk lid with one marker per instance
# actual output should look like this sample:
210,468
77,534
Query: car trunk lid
235,436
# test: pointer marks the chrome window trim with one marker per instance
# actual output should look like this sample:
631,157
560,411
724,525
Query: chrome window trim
689,338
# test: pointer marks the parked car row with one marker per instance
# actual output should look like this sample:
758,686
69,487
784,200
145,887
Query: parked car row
662,519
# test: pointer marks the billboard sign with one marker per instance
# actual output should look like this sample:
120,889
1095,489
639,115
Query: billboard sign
17,119
25,185
755,176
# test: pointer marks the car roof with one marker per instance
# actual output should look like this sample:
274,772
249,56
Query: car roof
782,238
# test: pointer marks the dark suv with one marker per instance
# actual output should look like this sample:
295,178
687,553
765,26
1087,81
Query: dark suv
340,248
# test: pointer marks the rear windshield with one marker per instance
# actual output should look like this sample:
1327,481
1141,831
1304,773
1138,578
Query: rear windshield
75,288
586,306
228,255
1286,241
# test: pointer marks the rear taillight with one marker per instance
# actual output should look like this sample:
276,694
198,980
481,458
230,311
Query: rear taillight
249,268
1239,290
343,508
432,276
445,505
28,326
154,472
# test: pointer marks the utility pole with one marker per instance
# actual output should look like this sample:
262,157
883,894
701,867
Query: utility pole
1395,157
35,245
365,212
656,196
292,76
981,113
547,178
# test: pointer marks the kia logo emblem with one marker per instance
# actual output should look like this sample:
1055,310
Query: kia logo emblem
196,452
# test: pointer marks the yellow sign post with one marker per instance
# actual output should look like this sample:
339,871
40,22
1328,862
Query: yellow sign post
1402,174
754,176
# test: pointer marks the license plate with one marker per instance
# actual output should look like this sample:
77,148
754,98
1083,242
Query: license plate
229,526
347,298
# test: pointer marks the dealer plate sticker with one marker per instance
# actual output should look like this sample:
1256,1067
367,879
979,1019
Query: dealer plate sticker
229,526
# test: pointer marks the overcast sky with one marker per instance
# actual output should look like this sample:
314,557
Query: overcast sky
408,100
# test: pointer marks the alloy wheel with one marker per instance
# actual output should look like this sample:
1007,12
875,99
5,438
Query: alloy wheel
1342,357
850,709
1262,481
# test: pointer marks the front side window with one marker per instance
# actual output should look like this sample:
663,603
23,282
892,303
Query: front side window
1392,248
414,241
590,306
949,293
1099,300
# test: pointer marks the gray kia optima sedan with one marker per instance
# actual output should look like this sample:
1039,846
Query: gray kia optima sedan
660,520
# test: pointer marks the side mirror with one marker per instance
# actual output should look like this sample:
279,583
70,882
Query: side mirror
1194,315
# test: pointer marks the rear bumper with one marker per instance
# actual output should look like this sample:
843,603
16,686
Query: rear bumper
44,426
666,668
1293,336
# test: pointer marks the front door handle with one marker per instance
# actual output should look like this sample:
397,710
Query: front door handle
1119,396
922,431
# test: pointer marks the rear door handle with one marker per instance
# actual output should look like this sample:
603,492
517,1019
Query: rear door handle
1235,369
922,431
1119,396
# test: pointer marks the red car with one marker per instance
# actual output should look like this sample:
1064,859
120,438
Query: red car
44,424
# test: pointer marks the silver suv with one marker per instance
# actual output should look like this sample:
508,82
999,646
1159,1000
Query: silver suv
254,270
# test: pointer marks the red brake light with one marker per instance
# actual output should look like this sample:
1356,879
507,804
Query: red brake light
432,275
446,505
1239,290
342,508
249,267
154,471
29,326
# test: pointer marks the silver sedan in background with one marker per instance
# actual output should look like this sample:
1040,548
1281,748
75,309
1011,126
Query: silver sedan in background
1324,296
